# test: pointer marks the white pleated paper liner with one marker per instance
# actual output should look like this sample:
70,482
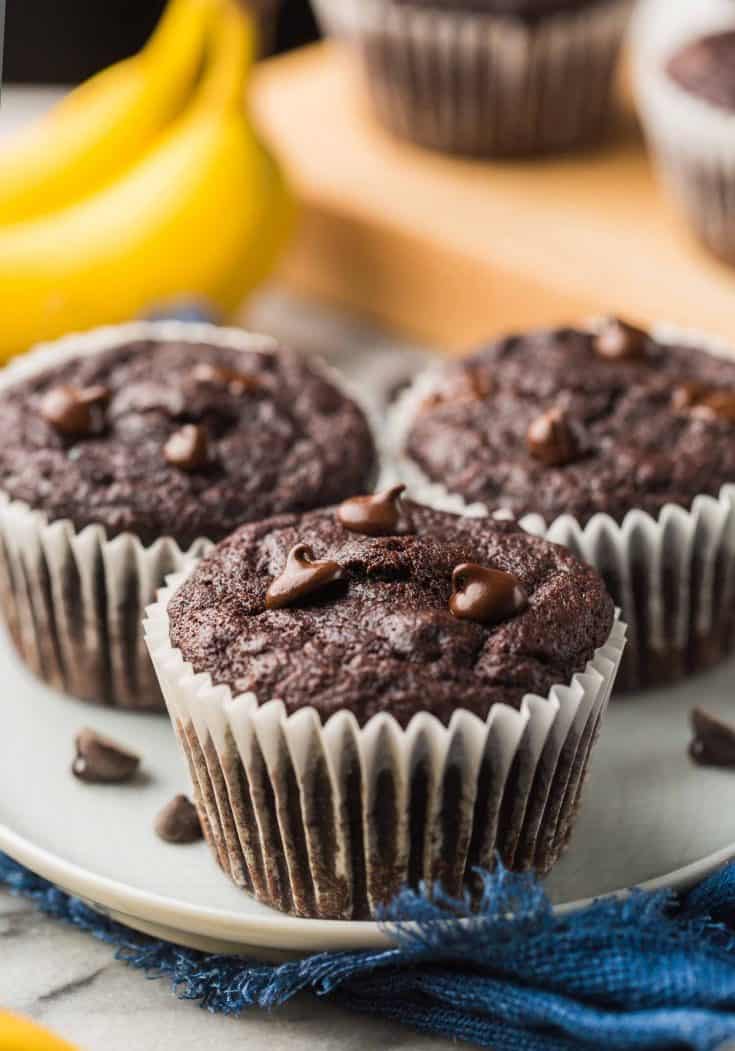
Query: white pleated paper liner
484,84
672,576
332,820
692,139
74,600
336,17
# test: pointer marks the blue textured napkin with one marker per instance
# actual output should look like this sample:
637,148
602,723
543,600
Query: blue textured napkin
652,971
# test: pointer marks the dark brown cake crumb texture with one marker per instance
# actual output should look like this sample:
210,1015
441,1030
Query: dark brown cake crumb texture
382,637
279,437
640,444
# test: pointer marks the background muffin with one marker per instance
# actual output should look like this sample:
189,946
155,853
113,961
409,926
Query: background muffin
396,715
488,77
685,75
121,450
582,428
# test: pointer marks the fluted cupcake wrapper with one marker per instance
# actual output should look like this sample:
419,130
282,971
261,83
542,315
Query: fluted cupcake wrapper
74,600
332,820
672,576
693,140
484,84
336,17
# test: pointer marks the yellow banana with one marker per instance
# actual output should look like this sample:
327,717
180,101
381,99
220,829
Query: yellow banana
104,125
18,1034
190,217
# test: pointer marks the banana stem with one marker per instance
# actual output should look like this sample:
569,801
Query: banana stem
232,52
177,17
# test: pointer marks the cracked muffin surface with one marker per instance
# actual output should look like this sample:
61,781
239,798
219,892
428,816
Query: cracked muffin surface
184,439
381,636
642,431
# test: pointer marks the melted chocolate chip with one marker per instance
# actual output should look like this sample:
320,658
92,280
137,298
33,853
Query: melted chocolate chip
72,411
707,403
486,596
713,743
221,376
179,822
717,405
301,577
376,515
99,760
619,341
687,395
467,383
188,448
551,439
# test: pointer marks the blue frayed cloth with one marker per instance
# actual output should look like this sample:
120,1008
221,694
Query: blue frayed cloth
651,971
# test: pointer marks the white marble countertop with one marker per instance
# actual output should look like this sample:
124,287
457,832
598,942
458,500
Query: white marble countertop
70,982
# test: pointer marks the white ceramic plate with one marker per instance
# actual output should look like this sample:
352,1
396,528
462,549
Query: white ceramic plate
649,816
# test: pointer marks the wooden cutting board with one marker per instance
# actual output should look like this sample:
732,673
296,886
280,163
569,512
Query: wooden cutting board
453,251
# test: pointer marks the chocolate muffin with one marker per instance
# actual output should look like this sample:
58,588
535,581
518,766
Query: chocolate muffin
120,452
488,77
706,68
384,658
686,91
582,428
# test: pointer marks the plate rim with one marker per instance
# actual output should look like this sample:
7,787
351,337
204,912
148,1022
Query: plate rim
281,932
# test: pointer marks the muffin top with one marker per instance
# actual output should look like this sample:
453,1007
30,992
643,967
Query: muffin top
439,614
573,421
181,439
706,68
526,9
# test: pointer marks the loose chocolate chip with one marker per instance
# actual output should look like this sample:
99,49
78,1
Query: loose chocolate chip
71,410
487,596
179,822
552,440
376,515
99,760
222,376
188,448
713,743
301,577
617,340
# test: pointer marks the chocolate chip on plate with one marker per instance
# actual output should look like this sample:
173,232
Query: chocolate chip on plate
301,577
551,439
188,448
713,743
100,760
72,410
484,595
179,822
376,515
618,340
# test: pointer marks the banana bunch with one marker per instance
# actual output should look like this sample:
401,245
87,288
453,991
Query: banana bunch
146,183
19,1034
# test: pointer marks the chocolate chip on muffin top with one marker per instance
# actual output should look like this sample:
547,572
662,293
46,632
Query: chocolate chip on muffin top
181,439
445,613
579,422
706,68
